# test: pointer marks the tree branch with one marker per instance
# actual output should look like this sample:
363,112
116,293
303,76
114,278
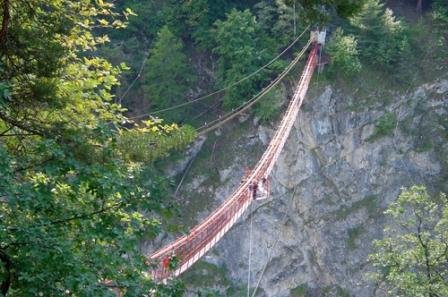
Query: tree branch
85,216
18,134
73,218
6,131
5,23
7,263
427,255
20,125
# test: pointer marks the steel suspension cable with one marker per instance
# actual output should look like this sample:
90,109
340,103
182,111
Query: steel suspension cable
246,105
190,247
228,86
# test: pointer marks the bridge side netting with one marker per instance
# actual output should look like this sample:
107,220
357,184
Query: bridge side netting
186,250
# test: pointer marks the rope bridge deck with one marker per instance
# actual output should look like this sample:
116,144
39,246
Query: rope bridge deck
175,258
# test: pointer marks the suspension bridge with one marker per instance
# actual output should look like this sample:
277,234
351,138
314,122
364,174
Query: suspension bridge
175,258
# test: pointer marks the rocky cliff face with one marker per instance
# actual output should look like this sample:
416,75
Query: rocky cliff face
342,165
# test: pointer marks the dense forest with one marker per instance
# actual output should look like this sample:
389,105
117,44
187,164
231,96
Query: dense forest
87,90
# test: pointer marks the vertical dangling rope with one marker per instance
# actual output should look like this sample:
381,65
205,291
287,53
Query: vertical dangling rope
319,66
250,250
271,250
295,25
139,75
318,70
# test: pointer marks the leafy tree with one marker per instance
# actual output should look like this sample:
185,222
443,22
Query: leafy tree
267,14
151,16
411,258
239,54
167,76
72,194
382,39
198,20
198,16
440,18
321,11
343,52
153,140
276,21
440,11
184,18
270,104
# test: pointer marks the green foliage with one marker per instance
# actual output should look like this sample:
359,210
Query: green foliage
199,21
276,21
270,15
440,14
67,224
322,11
411,258
343,53
74,202
342,292
149,17
301,291
167,75
382,39
209,293
238,51
369,203
353,235
440,19
384,126
174,262
152,140
269,105
206,275
200,16
237,47
43,72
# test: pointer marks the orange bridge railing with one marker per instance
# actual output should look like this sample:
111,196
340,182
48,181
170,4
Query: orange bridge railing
175,258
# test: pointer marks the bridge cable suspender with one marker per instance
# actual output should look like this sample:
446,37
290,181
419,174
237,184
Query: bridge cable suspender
228,86
191,247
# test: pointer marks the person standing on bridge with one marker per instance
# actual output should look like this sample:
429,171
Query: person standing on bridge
166,263
254,189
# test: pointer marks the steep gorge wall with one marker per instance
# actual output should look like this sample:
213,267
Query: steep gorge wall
342,165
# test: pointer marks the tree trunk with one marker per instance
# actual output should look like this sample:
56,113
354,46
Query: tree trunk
419,6
5,22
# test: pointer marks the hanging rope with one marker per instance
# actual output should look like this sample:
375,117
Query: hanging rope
139,74
271,250
187,169
228,86
250,250
190,247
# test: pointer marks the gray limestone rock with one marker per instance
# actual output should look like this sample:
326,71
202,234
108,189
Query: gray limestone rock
330,187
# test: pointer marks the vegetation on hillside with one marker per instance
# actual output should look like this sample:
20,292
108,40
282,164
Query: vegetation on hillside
411,259
239,35
167,74
238,45
75,198
375,38
343,50
78,187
